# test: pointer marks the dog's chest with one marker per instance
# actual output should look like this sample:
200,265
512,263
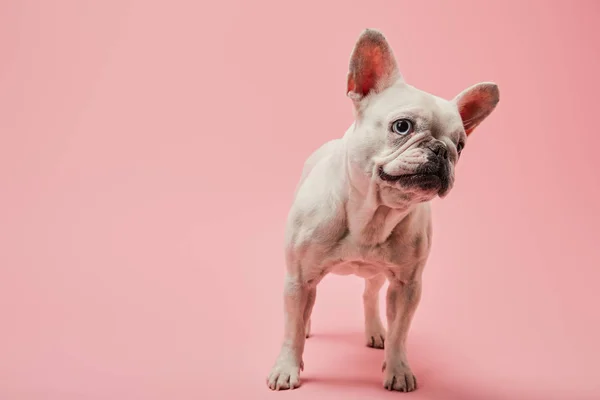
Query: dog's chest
398,255
368,261
358,268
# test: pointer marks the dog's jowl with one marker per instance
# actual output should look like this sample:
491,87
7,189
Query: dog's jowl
362,205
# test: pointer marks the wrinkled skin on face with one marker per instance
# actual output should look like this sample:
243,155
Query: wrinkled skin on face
416,165
419,164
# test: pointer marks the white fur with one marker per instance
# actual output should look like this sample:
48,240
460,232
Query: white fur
346,219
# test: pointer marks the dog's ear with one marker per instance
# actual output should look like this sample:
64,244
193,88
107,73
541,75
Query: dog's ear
372,65
476,103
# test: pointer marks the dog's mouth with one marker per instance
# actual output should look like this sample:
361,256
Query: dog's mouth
426,178
406,177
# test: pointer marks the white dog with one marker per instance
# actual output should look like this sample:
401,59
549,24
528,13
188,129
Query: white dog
362,205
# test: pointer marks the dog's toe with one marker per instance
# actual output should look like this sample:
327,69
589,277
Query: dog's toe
283,377
400,379
375,338
376,342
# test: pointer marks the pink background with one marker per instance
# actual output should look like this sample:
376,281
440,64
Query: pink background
148,155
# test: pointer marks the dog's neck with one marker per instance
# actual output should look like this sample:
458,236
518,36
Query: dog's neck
372,225
370,220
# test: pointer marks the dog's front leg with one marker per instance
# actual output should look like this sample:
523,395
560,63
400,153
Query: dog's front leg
402,301
298,296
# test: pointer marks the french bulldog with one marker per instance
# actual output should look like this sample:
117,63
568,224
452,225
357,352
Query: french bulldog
362,205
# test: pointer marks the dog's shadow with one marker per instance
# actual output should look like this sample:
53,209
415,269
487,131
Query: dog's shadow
342,361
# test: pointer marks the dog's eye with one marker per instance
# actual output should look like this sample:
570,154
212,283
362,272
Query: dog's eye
402,127
459,147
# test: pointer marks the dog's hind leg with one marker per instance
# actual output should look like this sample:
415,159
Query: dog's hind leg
312,295
374,330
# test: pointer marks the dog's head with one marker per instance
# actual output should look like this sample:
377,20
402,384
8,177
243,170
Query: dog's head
404,140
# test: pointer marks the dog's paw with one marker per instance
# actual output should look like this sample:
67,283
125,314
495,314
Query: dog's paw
375,337
284,375
399,378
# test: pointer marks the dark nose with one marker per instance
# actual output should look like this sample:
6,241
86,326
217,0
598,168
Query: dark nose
440,150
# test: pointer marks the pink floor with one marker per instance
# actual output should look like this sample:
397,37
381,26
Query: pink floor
148,155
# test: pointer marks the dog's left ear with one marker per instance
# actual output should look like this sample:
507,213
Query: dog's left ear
372,65
476,103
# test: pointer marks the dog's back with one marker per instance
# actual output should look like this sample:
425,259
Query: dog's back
319,155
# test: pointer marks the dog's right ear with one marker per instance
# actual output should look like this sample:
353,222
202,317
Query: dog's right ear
372,65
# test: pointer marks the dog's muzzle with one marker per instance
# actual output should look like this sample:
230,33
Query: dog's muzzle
434,174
